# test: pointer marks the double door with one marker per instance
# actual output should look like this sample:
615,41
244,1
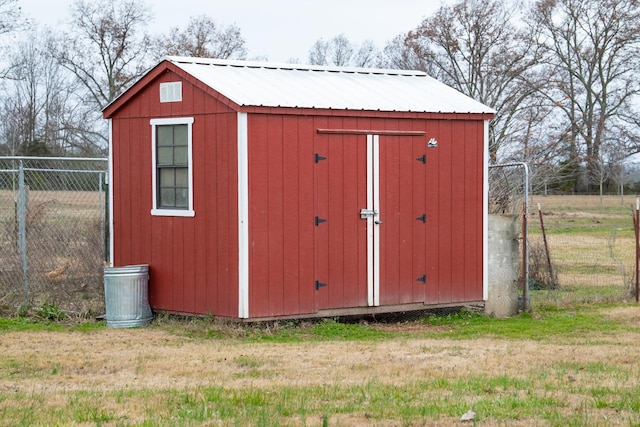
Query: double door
370,223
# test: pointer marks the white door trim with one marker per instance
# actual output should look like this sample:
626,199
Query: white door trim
373,221
376,220
370,220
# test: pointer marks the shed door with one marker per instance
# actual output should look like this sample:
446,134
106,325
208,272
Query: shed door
370,239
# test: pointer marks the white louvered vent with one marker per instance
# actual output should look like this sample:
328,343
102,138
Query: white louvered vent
171,92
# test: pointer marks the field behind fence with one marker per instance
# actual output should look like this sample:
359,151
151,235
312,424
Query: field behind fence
591,249
52,233
53,239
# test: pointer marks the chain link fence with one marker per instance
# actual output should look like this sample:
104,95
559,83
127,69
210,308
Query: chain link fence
53,237
52,232
580,248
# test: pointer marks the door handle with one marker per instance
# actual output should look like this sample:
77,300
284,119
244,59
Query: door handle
379,222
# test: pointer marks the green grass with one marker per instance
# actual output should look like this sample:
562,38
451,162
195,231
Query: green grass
25,323
548,322
544,326
502,399
594,219
541,396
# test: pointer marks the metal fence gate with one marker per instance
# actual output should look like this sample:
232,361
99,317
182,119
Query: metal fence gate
52,232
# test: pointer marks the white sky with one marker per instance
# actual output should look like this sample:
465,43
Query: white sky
277,30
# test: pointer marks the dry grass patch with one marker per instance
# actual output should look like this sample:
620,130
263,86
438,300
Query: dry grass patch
412,378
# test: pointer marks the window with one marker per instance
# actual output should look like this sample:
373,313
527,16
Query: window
172,167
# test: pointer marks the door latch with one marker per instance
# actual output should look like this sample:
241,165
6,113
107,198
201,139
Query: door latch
366,213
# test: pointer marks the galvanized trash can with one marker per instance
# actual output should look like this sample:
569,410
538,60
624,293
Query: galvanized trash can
126,294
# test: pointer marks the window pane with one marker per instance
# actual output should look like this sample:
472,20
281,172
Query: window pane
180,135
167,177
182,198
182,177
181,156
172,161
167,197
164,135
165,155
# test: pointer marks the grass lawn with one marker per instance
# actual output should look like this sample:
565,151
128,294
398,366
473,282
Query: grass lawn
571,366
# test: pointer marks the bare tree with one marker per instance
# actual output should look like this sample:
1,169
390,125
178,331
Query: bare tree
341,52
11,20
591,52
10,16
203,38
398,54
319,53
105,47
475,47
42,112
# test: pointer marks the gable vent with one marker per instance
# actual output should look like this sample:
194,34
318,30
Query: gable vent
171,92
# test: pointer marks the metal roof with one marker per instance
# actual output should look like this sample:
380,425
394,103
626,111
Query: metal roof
266,84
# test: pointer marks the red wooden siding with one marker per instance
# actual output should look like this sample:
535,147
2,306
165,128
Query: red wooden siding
281,215
289,253
340,189
403,235
454,194
193,261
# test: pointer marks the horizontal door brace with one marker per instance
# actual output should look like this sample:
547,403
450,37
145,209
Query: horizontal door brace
372,132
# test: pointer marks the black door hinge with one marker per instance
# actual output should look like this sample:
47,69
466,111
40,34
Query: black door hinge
422,279
422,218
320,221
319,285
319,157
422,159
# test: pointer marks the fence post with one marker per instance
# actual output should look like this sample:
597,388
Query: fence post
106,220
636,229
22,230
102,207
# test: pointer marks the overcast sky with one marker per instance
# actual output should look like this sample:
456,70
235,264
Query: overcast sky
277,30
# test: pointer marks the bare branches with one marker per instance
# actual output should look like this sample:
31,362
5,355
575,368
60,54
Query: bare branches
341,52
475,47
105,47
203,38
591,52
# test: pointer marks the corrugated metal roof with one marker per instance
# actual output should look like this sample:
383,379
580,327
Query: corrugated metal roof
301,86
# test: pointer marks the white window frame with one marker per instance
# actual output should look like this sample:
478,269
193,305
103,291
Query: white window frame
189,212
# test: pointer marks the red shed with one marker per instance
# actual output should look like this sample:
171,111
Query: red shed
258,190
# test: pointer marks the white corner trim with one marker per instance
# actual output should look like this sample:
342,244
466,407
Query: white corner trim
243,217
110,195
154,199
485,216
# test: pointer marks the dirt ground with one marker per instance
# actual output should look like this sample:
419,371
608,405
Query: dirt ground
152,357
